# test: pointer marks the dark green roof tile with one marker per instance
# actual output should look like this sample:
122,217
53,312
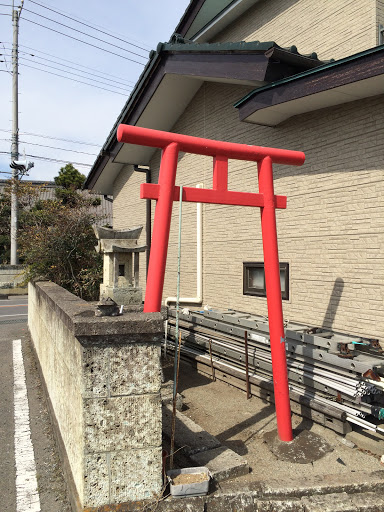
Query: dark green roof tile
324,67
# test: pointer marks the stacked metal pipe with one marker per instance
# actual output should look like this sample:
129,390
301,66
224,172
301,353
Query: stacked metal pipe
328,371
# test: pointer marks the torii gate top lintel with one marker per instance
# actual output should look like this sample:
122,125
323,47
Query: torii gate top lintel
221,153
165,193
207,147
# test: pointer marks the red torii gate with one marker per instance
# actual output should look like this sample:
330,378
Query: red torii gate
165,193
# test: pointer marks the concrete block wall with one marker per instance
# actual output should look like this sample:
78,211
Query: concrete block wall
331,233
11,279
103,380
332,29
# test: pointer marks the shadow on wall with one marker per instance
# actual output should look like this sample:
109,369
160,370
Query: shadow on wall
333,304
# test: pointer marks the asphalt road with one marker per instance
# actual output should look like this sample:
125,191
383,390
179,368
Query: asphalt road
50,486
14,308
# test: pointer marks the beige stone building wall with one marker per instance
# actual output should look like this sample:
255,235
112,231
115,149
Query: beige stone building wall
332,28
129,210
380,15
331,233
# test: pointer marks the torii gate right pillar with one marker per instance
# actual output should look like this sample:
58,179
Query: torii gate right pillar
275,309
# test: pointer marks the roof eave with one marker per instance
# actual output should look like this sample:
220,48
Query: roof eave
238,63
107,149
327,85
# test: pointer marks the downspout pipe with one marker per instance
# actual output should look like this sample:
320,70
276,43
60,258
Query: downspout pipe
199,263
148,215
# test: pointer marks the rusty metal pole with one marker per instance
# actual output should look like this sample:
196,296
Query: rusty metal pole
173,428
246,365
210,355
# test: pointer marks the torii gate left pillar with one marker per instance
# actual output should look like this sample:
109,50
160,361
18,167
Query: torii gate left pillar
166,192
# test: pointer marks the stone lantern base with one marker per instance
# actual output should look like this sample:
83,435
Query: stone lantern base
120,295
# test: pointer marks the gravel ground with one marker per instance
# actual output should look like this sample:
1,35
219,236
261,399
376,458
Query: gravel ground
240,424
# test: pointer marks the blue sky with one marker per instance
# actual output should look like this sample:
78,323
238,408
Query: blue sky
58,108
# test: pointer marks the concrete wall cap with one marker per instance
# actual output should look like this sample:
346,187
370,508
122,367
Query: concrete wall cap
79,315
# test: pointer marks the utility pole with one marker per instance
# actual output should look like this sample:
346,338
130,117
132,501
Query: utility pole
15,129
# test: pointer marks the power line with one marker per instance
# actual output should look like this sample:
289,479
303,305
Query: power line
87,25
53,138
71,62
51,147
5,60
81,41
127,87
99,27
37,157
66,60
75,74
74,80
85,34
99,75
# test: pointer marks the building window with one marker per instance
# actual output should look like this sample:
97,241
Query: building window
254,279
121,270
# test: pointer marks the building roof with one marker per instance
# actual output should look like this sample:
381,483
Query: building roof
180,44
171,78
47,191
352,78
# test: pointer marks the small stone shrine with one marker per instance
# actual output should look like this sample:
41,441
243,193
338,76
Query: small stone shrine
121,264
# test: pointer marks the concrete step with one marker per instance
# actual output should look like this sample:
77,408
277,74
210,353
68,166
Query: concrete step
203,449
188,435
343,502
222,462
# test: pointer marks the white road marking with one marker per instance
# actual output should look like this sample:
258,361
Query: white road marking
27,496
15,306
19,314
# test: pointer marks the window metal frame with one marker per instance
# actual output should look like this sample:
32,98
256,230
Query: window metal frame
262,292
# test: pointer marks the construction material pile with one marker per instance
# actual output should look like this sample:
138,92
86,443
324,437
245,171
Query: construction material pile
336,375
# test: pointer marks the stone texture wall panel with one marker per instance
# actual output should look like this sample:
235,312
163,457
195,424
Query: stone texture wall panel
332,29
96,478
120,423
331,233
125,487
124,362
380,16
96,378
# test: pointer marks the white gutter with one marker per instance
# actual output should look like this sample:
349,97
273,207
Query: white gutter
199,260
230,9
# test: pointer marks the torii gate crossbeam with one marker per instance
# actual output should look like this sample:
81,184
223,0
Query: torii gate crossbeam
165,192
